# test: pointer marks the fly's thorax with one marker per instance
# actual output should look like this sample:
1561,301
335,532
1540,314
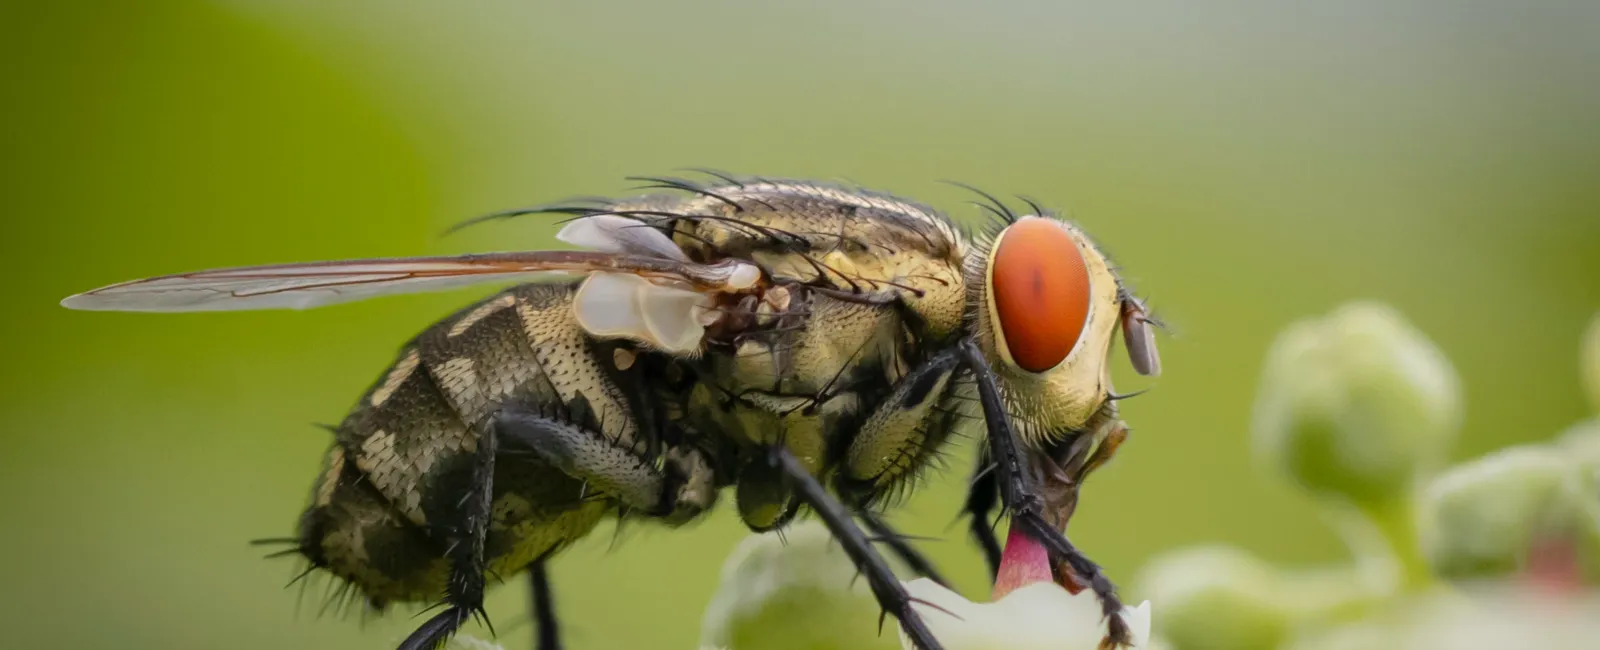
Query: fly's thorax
1045,304
852,240
797,380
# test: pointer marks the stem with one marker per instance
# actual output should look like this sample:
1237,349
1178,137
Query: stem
1397,521
1383,536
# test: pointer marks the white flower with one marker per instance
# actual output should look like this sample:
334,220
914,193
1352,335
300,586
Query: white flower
797,591
1219,597
1032,612
802,592
1037,616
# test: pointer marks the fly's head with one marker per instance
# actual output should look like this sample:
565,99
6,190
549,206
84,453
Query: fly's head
1045,304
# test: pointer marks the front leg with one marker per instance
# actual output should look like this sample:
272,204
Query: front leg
891,595
895,441
1027,507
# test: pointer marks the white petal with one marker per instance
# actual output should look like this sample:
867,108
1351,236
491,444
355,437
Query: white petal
609,233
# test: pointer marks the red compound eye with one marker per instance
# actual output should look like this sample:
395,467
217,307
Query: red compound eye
1041,292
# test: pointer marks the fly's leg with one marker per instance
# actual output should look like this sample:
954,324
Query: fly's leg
897,439
679,492
1025,504
582,454
891,595
901,548
544,609
463,528
982,497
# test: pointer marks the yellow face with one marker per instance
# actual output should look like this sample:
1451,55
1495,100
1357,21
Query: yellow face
1050,307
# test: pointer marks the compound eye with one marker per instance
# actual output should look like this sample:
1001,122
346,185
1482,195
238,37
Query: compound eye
1041,292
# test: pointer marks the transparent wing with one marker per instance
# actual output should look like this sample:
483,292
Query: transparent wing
314,284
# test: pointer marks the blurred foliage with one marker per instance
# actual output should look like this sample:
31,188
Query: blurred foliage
1248,163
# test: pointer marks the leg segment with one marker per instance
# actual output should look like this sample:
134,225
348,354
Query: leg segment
895,441
901,547
982,497
1024,502
678,494
544,609
584,455
464,530
891,594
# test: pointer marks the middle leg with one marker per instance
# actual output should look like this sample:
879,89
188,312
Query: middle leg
983,495
885,586
902,548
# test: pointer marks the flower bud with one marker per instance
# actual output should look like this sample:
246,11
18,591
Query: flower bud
1217,598
1589,358
1356,404
1489,517
800,592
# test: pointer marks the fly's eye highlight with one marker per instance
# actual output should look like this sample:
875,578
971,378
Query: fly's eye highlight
1041,292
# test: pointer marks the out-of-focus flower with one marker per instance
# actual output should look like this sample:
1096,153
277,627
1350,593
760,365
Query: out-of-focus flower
1483,518
1581,442
1504,617
1216,598
1485,616
1364,635
1032,612
1589,356
795,592
469,642
1356,404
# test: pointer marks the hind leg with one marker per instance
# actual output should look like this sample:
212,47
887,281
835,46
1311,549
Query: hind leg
463,529
544,609
459,516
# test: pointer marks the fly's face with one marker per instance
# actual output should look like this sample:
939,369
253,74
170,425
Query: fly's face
1047,304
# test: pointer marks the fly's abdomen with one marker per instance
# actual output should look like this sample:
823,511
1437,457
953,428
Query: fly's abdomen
394,478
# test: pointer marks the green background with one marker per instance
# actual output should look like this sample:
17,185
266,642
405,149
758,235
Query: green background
1247,164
